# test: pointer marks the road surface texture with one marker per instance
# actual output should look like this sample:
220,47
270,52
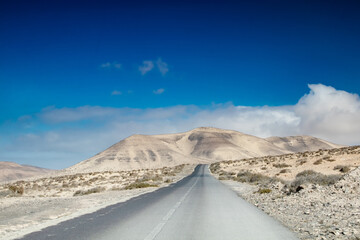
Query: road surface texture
197,207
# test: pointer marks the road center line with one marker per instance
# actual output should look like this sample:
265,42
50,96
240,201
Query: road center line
157,229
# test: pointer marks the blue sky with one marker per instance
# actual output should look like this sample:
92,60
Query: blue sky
96,64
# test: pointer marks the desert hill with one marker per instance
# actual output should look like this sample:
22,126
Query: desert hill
12,171
200,145
301,143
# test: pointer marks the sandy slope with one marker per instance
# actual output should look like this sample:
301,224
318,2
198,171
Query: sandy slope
200,145
12,171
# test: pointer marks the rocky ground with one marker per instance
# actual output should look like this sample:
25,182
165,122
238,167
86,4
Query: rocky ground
27,206
314,204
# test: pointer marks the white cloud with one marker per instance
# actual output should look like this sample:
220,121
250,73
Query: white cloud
162,66
330,113
325,112
159,91
109,65
146,67
59,115
116,92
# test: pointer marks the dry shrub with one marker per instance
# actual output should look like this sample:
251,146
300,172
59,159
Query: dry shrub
249,177
215,167
302,161
18,190
89,191
317,162
139,185
285,171
281,165
310,177
223,175
264,190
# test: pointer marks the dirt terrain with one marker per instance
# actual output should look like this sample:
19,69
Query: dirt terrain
316,194
27,206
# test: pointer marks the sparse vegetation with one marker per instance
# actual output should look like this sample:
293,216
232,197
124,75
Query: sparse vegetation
264,190
15,189
281,165
249,177
285,171
80,184
89,191
317,162
310,177
139,185
215,167
302,161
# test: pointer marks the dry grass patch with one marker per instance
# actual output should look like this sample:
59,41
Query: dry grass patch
89,191
317,162
17,190
264,190
139,185
310,177
281,165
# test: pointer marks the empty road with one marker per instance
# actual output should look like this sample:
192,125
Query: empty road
197,207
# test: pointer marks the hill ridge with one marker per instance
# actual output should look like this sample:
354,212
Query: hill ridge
199,145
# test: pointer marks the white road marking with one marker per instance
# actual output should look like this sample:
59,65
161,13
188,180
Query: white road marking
165,219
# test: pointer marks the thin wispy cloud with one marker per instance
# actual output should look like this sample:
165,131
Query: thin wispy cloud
146,67
162,66
159,91
113,65
149,65
116,92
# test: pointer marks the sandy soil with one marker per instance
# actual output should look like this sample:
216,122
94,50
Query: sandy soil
54,200
286,167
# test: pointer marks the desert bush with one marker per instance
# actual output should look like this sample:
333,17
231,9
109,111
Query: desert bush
284,171
302,161
179,168
342,168
139,185
249,177
89,191
168,180
264,190
223,175
310,177
19,190
157,178
317,162
215,167
327,158
281,165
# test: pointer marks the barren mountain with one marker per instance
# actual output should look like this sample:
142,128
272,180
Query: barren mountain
200,145
12,171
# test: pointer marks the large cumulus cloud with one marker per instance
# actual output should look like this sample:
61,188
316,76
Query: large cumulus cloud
81,132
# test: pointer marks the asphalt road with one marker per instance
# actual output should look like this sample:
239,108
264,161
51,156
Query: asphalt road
197,207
